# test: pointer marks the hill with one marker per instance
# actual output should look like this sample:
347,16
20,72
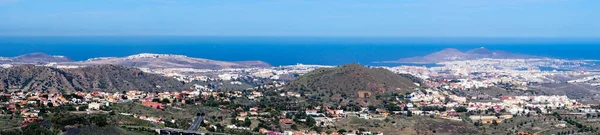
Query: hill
102,77
143,60
350,82
451,54
154,61
34,58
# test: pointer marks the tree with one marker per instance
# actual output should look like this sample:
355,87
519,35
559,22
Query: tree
247,122
99,120
170,124
372,108
4,99
234,121
36,129
83,108
537,110
71,108
317,129
477,123
461,109
42,111
310,121
342,131
165,101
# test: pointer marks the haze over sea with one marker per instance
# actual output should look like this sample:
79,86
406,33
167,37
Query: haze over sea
292,50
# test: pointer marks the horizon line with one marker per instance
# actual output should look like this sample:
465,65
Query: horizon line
315,36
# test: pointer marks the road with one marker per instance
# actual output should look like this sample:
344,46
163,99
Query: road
196,124
171,131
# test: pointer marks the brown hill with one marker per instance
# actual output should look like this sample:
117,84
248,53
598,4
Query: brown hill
103,77
350,82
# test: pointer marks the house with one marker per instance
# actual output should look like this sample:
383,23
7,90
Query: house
31,102
452,112
286,121
311,112
94,106
153,105
240,118
486,119
30,115
243,114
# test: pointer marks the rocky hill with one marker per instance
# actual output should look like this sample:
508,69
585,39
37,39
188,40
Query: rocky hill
103,77
352,83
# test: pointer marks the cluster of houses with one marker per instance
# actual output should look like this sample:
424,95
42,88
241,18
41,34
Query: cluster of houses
323,117
25,102
28,103
506,105
459,84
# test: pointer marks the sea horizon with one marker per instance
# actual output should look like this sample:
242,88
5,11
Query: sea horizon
279,51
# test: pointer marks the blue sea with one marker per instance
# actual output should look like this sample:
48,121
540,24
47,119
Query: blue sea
292,50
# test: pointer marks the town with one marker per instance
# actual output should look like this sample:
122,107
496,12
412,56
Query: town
255,101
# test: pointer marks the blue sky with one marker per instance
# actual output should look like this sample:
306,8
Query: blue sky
368,18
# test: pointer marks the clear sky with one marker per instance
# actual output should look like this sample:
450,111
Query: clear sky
370,18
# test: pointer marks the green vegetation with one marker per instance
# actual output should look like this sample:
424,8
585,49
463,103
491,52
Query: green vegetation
406,125
11,121
31,129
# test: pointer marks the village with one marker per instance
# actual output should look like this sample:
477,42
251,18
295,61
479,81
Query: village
424,103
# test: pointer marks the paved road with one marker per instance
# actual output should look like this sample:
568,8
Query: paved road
171,131
196,124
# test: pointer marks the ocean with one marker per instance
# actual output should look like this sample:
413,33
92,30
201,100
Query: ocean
291,50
